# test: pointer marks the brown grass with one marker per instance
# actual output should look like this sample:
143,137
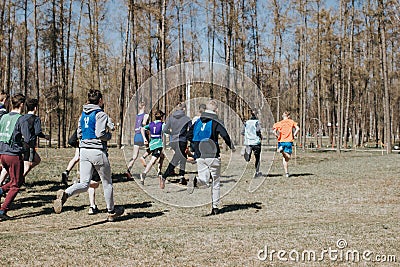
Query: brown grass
354,196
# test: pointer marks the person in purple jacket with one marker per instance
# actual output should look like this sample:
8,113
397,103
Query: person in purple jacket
11,151
142,118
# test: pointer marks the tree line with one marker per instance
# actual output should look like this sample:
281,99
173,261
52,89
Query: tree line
333,64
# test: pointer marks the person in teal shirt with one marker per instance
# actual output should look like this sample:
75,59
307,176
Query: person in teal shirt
156,146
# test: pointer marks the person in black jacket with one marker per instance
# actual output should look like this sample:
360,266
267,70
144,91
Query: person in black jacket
31,157
204,136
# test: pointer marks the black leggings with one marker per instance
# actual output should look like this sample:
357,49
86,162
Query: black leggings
178,158
257,153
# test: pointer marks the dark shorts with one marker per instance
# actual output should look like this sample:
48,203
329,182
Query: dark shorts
157,152
287,147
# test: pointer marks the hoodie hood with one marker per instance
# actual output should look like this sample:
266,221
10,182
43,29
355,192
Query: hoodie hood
178,114
90,107
208,115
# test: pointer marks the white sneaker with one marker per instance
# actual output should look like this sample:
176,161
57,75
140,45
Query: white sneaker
287,175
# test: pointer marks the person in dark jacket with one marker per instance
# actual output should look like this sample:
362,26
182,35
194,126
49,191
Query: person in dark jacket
31,157
204,136
11,151
177,127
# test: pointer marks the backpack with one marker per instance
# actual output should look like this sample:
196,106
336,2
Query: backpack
7,126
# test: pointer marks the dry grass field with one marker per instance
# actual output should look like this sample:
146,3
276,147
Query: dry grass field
353,198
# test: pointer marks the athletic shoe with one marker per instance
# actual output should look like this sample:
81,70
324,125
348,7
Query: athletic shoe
214,211
117,212
191,184
59,202
4,217
280,149
257,174
143,161
64,178
182,180
93,210
287,175
142,177
129,176
162,181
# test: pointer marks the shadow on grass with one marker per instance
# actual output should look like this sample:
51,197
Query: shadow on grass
236,207
142,205
291,175
46,211
129,216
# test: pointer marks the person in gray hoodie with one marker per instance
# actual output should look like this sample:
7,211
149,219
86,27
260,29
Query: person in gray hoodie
177,127
93,132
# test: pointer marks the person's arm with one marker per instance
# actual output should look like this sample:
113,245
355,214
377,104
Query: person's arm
297,129
258,130
189,134
101,126
224,134
167,127
142,130
38,129
242,131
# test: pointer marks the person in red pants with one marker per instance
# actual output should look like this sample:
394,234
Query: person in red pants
11,151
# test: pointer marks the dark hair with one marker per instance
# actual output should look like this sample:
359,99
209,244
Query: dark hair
94,96
31,104
159,114
17,100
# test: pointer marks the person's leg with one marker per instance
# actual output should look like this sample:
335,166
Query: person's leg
285,161
85,172
182,158
257,154
203,173
3,175
134,157
71,164
215,170
150,164
28,166
102,166
14,166
174,161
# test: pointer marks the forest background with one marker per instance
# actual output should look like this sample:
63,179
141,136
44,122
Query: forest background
333,64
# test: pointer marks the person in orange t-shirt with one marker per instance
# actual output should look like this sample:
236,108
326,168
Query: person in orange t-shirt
283,130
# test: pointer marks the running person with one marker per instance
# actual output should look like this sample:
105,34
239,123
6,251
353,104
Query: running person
283,130
94,134
139,138
204,135
31,157
11,151
177,127
252,140
156,145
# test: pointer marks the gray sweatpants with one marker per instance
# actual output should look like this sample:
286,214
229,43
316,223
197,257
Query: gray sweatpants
91,159
205,168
